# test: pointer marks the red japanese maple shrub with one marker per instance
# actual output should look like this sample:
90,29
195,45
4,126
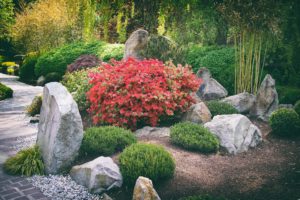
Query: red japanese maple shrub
126,92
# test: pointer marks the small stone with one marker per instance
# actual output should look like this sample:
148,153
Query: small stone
153,132
143,190
41,81
197,113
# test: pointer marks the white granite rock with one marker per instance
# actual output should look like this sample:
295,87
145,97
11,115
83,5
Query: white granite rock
60,129
153,132
235,132
98,175
243,102
135,43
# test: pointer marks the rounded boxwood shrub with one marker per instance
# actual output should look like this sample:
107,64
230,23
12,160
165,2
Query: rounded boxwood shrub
297,107
27,74
285,122
105,141
220,108
35,107
27,162
146,160
5,92
194,137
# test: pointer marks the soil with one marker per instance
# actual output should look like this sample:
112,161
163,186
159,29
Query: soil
271,171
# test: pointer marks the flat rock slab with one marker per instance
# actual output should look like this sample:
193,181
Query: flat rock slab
153,132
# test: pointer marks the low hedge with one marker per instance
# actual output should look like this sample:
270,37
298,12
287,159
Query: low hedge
194,137
285,122
148,160
105,141
220,108
5,92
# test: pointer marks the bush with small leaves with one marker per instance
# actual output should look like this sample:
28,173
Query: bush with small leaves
27,162
285,122
5,92
220,108
52,77
27,74
105,141
35,107
83,62
194,137
297,107
148,160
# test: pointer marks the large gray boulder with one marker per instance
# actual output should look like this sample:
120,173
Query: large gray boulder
143,190
235,132
98,175
153,132
197,113
243,102
135,43
210,89
266,99
60,130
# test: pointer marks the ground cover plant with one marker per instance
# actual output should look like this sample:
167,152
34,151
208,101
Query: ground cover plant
194,137
220,108
146,90
27,162
5,92
35,107
105,141
146,160
285,122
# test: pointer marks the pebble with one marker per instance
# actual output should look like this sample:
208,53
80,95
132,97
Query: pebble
59,187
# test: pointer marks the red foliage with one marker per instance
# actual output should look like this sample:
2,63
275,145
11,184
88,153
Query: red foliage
129,91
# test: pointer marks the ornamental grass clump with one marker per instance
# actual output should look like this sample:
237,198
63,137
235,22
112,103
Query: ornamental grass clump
127,92
148,160
35,107
285,122
194,137
27,162
105,141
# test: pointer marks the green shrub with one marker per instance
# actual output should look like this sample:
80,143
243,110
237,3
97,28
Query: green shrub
288,94
52,77
109,51
297,107
58,59
285,122
6,65
27,74
202,197
78,85
220,108
194,137
5,92
146,160
162,48
35,107
27,162
219,60
105,141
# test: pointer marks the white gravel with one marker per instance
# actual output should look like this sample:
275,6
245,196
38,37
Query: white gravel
59,187
24,142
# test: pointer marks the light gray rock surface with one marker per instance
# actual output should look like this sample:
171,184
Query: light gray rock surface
98,175
210,89
143,190
243,102
266,99
197,113
235,132
135,43
153,132
60,130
